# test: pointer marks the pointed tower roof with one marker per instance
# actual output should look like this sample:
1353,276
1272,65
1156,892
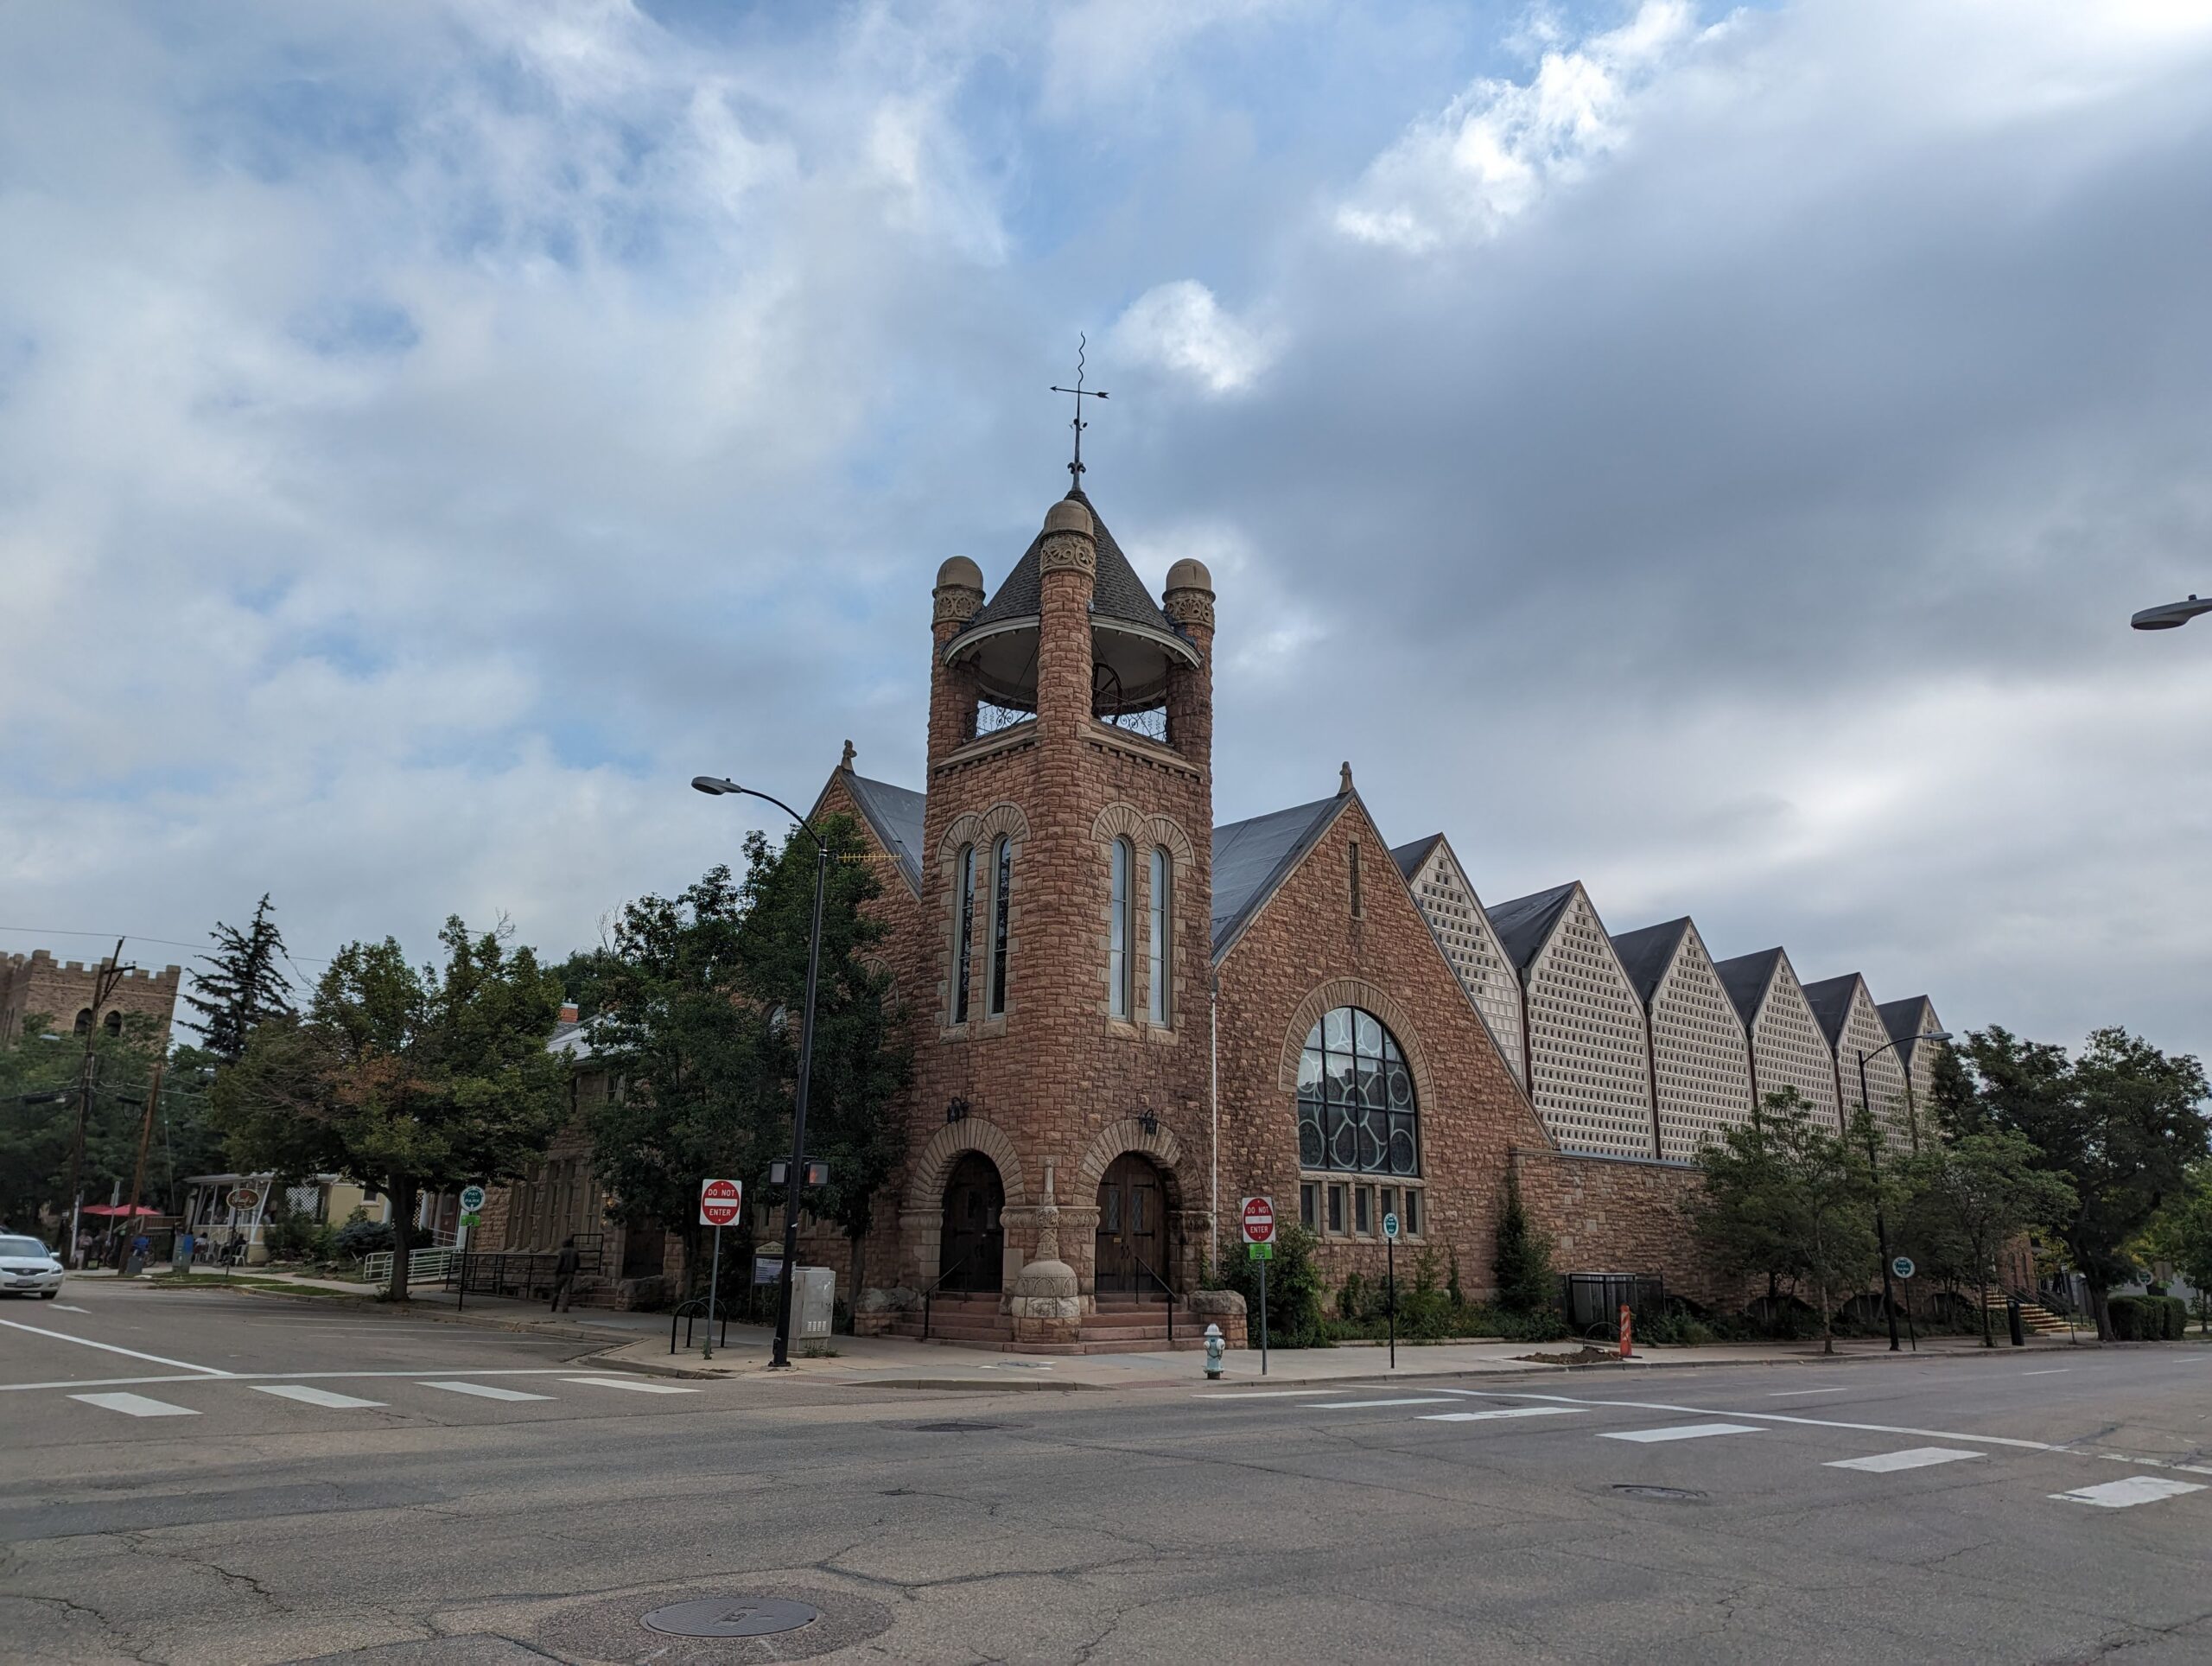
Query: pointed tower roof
1524,925
1831,1003
1647,952
1746,978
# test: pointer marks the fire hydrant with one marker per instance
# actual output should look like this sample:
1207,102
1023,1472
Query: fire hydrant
1214,1345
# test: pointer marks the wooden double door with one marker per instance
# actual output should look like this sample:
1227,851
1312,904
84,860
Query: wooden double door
972,1251
1132,1228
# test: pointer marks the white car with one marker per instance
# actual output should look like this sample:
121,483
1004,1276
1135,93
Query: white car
28,1267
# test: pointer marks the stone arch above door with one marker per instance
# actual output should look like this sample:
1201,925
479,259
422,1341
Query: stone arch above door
1128,1135
925,1180
1356,992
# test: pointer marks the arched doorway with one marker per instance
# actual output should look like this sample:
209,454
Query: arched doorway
1132,1247
972,1251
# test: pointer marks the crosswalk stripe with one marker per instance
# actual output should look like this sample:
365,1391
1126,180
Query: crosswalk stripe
1911,1458
486,1392
1361,1405
1680,1432
134,1405
2134,1490
308,1396
626,1382
1504,1411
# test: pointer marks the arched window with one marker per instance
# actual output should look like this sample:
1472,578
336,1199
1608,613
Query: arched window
1156,964
84,1021
1117,937
1356,1109
113,1023
964,930
1001,890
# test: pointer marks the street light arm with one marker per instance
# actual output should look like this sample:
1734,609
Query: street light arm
722,786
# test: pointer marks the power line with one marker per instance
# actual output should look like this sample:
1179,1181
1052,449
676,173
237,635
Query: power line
138,937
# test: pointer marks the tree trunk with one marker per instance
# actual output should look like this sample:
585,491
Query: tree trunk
853,1299
402,1194
1827,1317
2098,1312
1988,1341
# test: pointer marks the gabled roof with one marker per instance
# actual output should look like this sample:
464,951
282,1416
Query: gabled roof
1409,858
1746,978
1907,1018
894,815
1252,858
1831,1000
1647,952
1525,924
1117,592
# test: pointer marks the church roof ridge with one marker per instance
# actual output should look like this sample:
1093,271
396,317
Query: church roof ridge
894,815
1253,858
1409,858
1646,952
1747,977
1523,924
1830,998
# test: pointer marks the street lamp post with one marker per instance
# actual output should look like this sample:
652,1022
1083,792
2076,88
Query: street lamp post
1881,1225
2170,615
719,788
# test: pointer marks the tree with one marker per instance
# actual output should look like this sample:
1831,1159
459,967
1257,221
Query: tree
1786,1197
243,988
409,1081
2122,1123
1521,1262
41,1075
1976,1193
2181,1236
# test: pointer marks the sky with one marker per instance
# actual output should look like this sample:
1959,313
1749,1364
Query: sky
1711,453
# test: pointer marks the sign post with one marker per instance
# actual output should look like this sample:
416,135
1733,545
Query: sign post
1903,1268
1259,1214
721,1202
1390,1275
472,1201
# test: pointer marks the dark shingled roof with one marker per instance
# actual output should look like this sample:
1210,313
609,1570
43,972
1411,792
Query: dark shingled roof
1251,858
1904,1018
1745,978
1648,952
1409,858
1524,924
894,815
1831,999
1117,592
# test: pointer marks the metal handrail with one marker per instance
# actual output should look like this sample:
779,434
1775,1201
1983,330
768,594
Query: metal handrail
1147,1268
929,1294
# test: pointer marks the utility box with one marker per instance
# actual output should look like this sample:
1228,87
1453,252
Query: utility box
814,1302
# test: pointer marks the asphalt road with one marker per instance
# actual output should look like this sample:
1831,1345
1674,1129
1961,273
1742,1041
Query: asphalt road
297,1479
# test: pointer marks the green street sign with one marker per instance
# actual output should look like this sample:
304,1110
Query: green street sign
1261,1251
1390,1227
472,1220
472,1198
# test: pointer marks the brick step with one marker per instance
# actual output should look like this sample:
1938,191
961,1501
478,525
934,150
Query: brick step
2033,1316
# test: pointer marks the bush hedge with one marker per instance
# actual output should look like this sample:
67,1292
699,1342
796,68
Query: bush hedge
2148,1318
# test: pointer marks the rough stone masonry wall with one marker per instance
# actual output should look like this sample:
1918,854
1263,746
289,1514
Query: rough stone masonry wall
1617,1215
37,982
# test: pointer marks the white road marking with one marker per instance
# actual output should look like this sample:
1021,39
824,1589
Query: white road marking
486,1392
1267,1394
2059,1370
134,1405
308,1396
1783,1394
1680,1432
624,1383
63,1307
1362,1405
110,1347
1503,1411
283,1376
1911,1458
2135,1490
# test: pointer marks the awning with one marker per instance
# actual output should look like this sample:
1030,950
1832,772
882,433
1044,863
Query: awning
119,1209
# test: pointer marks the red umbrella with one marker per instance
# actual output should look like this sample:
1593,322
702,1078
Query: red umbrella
120,1209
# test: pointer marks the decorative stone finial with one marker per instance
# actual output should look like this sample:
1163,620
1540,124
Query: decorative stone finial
959,590
1188,599
846,762
1070,539
1344,779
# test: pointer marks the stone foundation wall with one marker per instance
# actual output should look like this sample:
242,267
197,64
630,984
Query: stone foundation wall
1617,1215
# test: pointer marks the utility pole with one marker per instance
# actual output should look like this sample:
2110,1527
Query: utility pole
104,978
145,1139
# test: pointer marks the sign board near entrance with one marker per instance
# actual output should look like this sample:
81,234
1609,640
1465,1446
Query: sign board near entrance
1258,1220
244,1197
721,1202
1390,1228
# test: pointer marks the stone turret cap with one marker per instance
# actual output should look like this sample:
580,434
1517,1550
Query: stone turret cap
1190,575
1068,515
960,573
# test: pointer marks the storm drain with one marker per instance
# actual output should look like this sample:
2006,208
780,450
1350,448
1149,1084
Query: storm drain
1681,1495
730,1617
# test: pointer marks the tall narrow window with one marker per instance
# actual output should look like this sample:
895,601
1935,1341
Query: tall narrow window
1117,936
963,928
1002,888
1156,960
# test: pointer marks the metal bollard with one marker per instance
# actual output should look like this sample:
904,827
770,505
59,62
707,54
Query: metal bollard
2013,1320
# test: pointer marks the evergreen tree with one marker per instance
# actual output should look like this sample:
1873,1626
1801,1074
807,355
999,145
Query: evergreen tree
1522,1263
243,987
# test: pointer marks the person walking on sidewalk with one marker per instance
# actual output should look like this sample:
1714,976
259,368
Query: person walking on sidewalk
564,1275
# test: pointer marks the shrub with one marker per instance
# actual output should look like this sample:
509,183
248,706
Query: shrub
1524,1264
1295,1292
363,1237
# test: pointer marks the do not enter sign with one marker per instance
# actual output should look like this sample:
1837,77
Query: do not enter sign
720,1202
1258,1220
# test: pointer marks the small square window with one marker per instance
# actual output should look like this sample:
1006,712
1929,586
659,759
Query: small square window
1336,1209
1308,1206
1362,1205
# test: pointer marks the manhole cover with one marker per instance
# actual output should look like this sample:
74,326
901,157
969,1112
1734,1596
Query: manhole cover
959,1426
730,1617
1675,1494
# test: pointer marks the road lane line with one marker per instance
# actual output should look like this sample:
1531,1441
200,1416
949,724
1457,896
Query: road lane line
1503,1411
110,1347
63,1307
2120,1495
285,1377
1680,1432
308,1396
624,1383
2059,1370
1883,1462
1362,1405
486,1392
134,1405
1784,1394
1267,1394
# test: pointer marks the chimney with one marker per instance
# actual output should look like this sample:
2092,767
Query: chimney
568,1012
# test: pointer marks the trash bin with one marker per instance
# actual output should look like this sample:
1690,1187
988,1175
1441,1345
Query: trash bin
2013,1320
814,1302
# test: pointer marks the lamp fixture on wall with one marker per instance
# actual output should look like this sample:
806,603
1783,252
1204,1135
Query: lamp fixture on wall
1148,1123
955,1109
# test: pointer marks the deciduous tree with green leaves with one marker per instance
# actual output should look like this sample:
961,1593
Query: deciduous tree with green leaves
407,1080
1973,1193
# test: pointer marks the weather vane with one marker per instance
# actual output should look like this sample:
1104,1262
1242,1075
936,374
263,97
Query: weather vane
1081,392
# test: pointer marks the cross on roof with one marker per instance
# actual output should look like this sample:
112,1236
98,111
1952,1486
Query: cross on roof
1081,393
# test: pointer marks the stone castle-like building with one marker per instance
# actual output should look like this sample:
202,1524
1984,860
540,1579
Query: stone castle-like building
62,993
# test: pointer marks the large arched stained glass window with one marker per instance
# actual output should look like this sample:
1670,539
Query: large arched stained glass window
1356,1110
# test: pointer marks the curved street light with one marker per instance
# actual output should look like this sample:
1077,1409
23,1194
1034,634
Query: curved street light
717,786
1881,1225
2170,615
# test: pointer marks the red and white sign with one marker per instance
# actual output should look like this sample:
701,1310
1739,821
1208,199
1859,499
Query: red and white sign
1628,1334
1258,1220
721,1202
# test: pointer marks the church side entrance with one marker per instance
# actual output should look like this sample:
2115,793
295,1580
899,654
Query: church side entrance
1132,1228
973,1256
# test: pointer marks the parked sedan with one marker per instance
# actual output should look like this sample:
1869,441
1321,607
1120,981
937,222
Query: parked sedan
28,1267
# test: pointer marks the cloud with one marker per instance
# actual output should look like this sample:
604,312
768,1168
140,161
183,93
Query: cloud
1180,327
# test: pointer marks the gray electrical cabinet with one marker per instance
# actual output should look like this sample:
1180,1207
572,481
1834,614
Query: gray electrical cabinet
814,1302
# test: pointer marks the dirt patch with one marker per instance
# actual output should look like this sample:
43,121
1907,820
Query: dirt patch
1585,1356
